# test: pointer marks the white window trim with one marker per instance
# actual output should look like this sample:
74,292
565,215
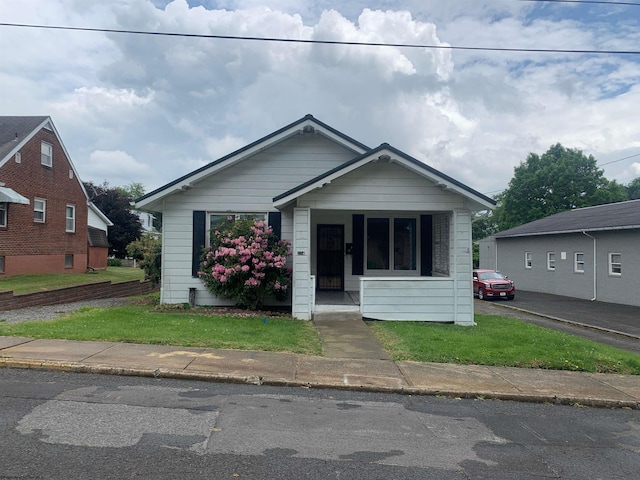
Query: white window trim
528,262
391,271
551,261
612,263
44,210
3,219
72,218
577,262
46,159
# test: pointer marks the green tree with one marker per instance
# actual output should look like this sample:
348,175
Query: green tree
633,189
132,190
560,179
148,251
116,206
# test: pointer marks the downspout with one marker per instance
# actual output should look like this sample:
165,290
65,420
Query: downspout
595,270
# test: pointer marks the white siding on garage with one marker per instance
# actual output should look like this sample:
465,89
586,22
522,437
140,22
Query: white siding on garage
247,186
382,186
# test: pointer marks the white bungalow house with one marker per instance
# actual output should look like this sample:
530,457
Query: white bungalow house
389,230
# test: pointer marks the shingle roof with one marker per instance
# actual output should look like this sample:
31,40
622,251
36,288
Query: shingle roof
97,237
15,129
611,216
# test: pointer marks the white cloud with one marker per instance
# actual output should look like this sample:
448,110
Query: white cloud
173,104
116,167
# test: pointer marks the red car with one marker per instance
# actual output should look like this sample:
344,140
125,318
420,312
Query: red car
492,284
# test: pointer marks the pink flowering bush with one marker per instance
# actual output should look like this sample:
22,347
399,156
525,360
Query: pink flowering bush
246,263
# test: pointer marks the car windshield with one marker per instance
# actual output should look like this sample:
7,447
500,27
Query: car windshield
490,276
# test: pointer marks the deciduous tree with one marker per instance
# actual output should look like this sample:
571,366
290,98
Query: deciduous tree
115,204
558,180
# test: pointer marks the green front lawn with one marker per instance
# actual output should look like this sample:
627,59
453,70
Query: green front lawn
143,324
497,341
36,283
501,341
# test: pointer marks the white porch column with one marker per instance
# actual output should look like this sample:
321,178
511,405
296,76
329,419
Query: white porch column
302,292
462,266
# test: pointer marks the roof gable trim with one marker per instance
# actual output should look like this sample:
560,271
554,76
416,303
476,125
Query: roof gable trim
306,125
390,154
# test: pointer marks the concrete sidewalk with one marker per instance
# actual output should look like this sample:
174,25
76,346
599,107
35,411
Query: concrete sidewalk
366,374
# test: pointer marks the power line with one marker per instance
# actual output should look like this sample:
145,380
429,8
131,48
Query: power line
324,42
594,2
600,165
620,159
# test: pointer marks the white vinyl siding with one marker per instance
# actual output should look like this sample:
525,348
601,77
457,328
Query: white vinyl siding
248,186
413,299
381,186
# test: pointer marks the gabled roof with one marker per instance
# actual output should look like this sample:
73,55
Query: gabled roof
611,216
100,215
16,131
386,152
308,123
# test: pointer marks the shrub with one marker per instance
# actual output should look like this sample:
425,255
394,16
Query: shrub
148,251
246,263
114,262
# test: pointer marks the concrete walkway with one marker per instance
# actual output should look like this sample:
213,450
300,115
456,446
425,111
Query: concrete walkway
353,360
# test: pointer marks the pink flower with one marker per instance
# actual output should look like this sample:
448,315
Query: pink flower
245,268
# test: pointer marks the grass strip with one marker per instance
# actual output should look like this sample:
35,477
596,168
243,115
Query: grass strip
141,324
21,284
501,341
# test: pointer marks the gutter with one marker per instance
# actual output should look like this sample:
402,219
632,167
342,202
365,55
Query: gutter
595,270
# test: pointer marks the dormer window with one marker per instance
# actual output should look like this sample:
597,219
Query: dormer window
46,154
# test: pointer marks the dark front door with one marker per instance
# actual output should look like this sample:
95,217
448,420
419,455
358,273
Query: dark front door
330,271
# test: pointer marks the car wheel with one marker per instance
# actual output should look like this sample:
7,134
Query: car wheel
480,294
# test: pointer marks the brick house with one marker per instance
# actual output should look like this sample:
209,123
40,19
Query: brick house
44,208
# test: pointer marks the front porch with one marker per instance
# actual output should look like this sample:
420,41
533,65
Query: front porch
337,273
345,301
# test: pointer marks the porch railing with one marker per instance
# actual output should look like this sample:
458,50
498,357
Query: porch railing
408,298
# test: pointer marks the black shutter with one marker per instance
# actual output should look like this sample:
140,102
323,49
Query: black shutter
275,221
199,231
357,263
426,245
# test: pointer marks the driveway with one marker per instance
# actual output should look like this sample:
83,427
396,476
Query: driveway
610,323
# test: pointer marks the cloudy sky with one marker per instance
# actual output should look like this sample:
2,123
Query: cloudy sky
148,109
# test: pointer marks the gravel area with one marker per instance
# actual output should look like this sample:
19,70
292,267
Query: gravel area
50,312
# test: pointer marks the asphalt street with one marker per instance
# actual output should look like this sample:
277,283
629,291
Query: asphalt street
78,426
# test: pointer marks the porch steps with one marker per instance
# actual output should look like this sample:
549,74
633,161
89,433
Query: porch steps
345,335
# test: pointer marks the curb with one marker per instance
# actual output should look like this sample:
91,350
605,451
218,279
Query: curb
257,380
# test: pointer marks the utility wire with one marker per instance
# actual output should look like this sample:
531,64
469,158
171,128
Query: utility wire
619,160
324,42
594,2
